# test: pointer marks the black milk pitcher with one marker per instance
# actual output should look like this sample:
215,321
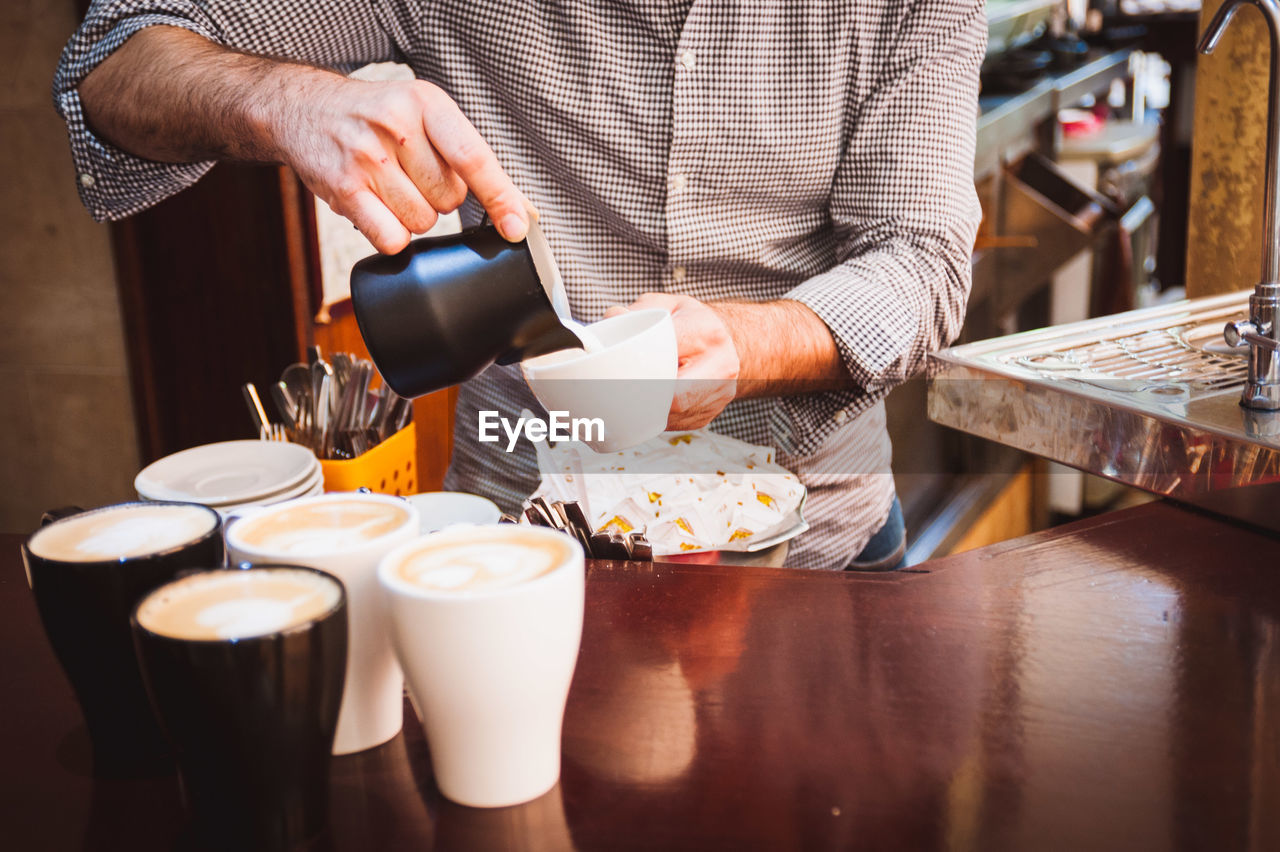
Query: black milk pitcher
445,308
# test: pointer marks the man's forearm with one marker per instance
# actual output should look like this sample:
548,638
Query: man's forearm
209,102
388,155
783,348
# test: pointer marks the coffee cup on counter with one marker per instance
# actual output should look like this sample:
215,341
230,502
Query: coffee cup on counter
486,622
344,534
438,510
87,571
626,380
245,669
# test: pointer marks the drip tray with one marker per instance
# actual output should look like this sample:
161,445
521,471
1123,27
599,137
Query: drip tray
1149,398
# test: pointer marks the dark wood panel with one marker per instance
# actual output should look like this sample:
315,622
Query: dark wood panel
219,286
205,284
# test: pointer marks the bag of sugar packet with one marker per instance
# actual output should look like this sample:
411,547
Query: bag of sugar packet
689,492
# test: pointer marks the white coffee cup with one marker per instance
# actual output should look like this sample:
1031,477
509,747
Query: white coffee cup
487,622
628,384
319,532
438,510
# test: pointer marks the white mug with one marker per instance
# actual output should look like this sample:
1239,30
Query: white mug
438,510
372,709
627,385
488,651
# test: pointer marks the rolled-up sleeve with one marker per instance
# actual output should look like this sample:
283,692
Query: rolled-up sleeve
905,212
341,34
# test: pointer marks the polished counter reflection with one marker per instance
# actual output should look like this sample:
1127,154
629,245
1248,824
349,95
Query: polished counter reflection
1110,685
1105,690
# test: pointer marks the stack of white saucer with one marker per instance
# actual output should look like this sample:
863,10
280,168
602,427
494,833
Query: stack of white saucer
233,475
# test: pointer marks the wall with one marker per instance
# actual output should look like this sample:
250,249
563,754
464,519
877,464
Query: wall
67,431
1224,234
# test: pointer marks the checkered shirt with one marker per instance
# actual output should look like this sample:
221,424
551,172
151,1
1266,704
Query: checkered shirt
814,151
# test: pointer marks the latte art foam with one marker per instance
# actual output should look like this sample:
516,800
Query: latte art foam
477,565
238,604
320,528
122,532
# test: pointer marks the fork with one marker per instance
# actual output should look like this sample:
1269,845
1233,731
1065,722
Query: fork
273,432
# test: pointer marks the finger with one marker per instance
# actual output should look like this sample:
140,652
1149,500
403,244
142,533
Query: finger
697,406
440,185
705,384
373,219
662,301
465,151
705,346
703,398
615,311
708,365
403,198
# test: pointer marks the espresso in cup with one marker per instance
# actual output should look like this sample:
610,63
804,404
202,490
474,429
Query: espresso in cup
322,527
122,532
480,564
486,621
245,668
237,604
87,571
344,534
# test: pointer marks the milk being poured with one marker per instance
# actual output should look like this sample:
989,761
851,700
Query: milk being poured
590,342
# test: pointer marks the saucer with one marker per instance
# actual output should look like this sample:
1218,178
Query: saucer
227,472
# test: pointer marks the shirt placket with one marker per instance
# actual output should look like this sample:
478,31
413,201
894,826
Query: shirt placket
688,118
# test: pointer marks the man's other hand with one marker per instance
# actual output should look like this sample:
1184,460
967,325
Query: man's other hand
708,373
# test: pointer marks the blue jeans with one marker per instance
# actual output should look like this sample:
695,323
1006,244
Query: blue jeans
886,549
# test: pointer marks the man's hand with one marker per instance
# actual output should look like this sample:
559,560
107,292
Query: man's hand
743,349
708,373
390,156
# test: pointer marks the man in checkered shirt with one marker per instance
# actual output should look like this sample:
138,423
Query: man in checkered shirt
792,180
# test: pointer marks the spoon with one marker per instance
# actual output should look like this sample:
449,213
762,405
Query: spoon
296,379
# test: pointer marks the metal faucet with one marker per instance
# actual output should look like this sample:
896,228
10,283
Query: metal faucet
1261,331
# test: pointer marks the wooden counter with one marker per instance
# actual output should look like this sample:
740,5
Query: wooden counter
1112,684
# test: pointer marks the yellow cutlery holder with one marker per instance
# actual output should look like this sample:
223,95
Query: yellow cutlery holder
388,468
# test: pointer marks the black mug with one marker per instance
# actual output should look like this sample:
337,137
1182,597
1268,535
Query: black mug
86,580
445,308
251,713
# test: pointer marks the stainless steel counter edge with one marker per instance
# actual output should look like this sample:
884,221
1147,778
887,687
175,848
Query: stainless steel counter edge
1166,436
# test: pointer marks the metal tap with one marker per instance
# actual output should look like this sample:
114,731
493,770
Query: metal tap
1261,331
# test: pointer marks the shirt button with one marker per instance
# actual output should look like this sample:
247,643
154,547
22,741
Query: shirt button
679,182
87,180
840,417
678,274
685,59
